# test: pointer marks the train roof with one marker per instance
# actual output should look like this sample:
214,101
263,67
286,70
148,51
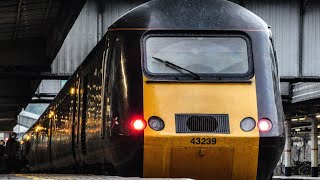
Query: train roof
190,15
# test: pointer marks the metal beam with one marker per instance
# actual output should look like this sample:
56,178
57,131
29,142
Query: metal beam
45,95
10,113
10,99
47,12
23,70
40,101
302,108
23,125
50,76
27,121
16,88
23,53
299,79
7,126
301,24
18,20
7,119
13,73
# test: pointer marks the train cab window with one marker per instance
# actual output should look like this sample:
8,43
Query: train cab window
201,57
275,78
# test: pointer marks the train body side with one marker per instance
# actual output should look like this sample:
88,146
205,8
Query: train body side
71,136
54,141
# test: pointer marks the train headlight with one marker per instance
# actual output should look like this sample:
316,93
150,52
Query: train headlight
248,124
264,125
156,123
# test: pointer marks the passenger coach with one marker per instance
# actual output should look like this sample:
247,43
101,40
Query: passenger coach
176,88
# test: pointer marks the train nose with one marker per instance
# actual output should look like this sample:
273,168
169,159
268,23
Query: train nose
202,163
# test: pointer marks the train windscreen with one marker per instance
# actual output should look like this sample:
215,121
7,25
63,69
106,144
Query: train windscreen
196,55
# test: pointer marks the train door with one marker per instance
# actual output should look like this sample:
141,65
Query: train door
32,151
36,134
79,119
84,115
76,120
106,110
50,119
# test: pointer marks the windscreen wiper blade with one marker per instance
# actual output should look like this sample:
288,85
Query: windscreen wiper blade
178,68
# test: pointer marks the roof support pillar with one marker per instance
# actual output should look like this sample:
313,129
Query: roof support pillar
287,149
314,147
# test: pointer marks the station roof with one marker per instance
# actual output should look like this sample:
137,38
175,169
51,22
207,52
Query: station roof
27,19
31,34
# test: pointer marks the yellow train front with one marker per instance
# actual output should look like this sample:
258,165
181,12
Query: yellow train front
210,89
176,88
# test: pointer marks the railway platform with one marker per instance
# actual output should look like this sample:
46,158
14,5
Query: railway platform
295,178
74,177
101,177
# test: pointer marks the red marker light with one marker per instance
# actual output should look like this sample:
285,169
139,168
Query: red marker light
264,125
139,124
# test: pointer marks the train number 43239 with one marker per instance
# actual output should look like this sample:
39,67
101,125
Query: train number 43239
203,141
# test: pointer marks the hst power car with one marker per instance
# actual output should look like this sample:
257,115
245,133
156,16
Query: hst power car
176,88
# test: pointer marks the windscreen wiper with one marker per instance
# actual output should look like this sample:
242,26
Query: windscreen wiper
177,68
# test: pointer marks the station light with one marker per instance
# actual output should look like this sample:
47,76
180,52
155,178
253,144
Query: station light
297,130
302,119
139,124
264,125
318,116
294,119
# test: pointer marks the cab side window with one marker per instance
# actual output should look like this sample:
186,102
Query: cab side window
276,79
274,66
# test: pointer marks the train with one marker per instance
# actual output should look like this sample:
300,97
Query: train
175,88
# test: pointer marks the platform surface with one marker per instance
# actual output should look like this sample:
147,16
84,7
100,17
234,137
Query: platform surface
294,177
100,177
73,177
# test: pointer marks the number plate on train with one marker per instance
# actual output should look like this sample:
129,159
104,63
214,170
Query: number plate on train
203,141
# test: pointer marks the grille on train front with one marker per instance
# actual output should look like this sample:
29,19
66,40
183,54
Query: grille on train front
202,123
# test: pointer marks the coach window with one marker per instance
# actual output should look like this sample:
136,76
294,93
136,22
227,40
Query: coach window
202,57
